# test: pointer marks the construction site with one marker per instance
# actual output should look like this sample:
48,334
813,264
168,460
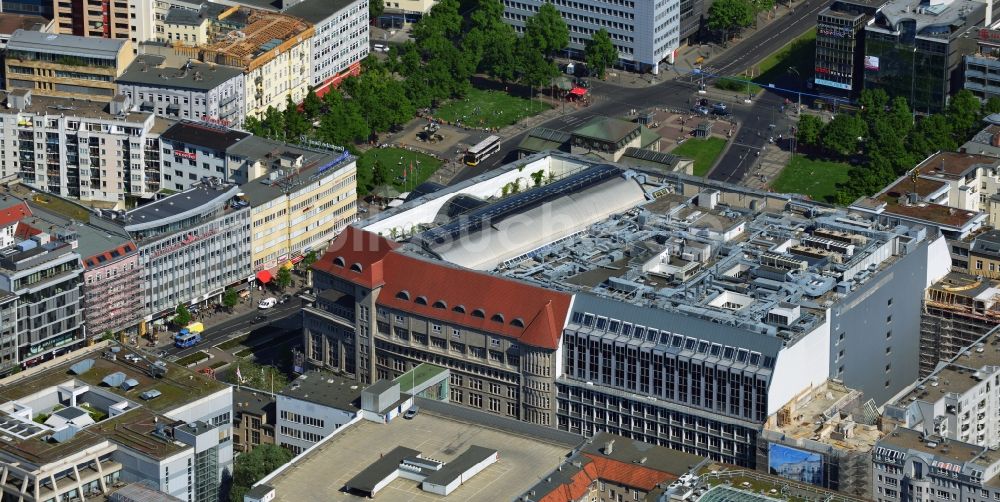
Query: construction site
249,38
831,427
958,310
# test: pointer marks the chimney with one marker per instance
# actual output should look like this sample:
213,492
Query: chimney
995,140
609,447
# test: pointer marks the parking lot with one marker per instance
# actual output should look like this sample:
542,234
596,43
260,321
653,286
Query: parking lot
321,474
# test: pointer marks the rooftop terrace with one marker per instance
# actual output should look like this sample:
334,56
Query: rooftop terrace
822,414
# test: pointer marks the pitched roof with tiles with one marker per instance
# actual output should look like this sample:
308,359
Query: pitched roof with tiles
533,315
13,213
631,475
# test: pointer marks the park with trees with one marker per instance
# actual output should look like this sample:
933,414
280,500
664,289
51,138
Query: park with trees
883,139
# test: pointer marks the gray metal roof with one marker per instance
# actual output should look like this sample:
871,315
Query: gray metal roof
316,164
324,389
91,239
69,45
317,11
150,70
366,480
198,200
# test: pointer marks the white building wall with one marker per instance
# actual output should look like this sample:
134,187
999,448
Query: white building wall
803,365
340,41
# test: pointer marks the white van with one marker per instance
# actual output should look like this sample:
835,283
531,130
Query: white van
267,303
380,48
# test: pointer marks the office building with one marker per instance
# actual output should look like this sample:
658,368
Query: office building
43,271
300,198
192,245
909,465
958,310
959,400
42,8
80,149
982,66
915,49
65,66
840,44
110,268
340,41
186,90
644,33
823,437
678,309
78,428
312,407
192,150
254,416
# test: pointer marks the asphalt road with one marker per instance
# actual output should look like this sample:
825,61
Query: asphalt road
679,92
239,325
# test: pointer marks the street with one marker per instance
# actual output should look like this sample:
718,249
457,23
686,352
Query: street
238,325
678,93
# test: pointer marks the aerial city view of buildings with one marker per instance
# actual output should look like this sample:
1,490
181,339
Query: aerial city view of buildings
485,250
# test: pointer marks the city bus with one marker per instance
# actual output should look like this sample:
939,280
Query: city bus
185,340
483,149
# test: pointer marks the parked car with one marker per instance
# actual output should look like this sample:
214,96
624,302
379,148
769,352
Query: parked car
267,303
582,82
257,319
700,110
285,298
412,412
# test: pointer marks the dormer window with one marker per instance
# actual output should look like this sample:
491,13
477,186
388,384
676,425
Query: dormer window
517,322
356,267
479,313
440,304
339,261
497,318
421,300
459,308
403,295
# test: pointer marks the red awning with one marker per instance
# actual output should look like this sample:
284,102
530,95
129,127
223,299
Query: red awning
264,276
297,259
578,91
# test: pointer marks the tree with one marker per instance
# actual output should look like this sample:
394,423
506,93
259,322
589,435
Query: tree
535,70
284,278
375,9
182,316
230,298
810,129
343,123
992,105
380,174
932,134
965,112
380,97
295,122
840,135
490,41
601,52
312,105
443,20
309,259
546,31
250,468
726,15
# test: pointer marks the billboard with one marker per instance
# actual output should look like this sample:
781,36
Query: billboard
795,464
831,83
871,63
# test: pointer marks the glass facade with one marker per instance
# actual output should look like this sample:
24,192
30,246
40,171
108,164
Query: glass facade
206,475
916,69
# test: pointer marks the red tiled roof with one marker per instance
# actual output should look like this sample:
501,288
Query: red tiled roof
630,475
355,246
576,488
12,214
25,231
533,315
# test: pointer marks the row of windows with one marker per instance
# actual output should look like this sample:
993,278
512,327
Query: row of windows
303,435
302,419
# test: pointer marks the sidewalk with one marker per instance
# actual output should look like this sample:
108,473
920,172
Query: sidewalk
770,165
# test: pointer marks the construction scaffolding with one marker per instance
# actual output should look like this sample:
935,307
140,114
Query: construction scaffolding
249,38
958,310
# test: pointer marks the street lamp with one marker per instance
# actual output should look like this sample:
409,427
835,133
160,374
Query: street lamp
792,69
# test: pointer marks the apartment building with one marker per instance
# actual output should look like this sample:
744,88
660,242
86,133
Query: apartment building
300,198
192,245
312,407
9,23
184,90
916,50
92,18
644,33
65,65
12,210
41,8
984,255
840,49
254,416
191,151
340,41
909,465
86,150
958,310
110,268
80,427
274,51
44,272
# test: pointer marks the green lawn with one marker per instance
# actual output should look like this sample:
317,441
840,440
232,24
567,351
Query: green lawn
396,159
197,357
417,376
244,353
481,108
799,53
704,152
816,178
737,84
